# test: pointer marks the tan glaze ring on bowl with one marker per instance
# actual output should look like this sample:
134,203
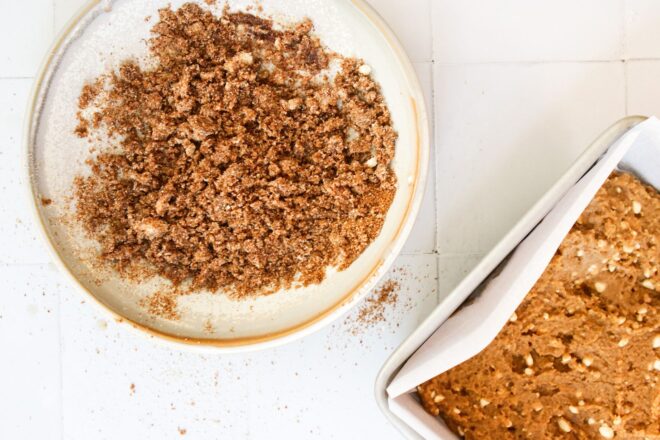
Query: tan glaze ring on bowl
351,298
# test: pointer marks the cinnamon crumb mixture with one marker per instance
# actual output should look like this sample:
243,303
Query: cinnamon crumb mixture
243,163
373,308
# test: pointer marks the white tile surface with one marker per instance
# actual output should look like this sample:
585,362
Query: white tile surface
111,375
332,366
512,110
411,22
288,389
642,32
643,90
20,242
505,133
27,31
29,364
526,30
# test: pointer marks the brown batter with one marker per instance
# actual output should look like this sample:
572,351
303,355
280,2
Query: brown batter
581,356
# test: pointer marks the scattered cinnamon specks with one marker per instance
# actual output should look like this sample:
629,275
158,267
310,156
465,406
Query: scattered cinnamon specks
46,201
182,431
372,310
161,304
132,388
208,327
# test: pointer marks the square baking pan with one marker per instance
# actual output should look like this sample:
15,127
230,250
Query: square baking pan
481,273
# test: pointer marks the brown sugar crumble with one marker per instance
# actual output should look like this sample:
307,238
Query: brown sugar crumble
372,310
245,162
580,357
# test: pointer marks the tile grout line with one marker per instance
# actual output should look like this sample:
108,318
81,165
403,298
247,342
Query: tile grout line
625,88
61,363
641,59
437,280
536,62
432,131
431,28
624,55
430,3
4,264
523,62
624,36
432,135
14,78
431,123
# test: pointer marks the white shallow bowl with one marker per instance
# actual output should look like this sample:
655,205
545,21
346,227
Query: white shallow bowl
98,39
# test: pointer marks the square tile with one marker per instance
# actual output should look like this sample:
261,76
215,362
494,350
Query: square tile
27,32
21,243
336,368
411,22
30,341
112,373
641,29
505,133
526,30
422,236
643,89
